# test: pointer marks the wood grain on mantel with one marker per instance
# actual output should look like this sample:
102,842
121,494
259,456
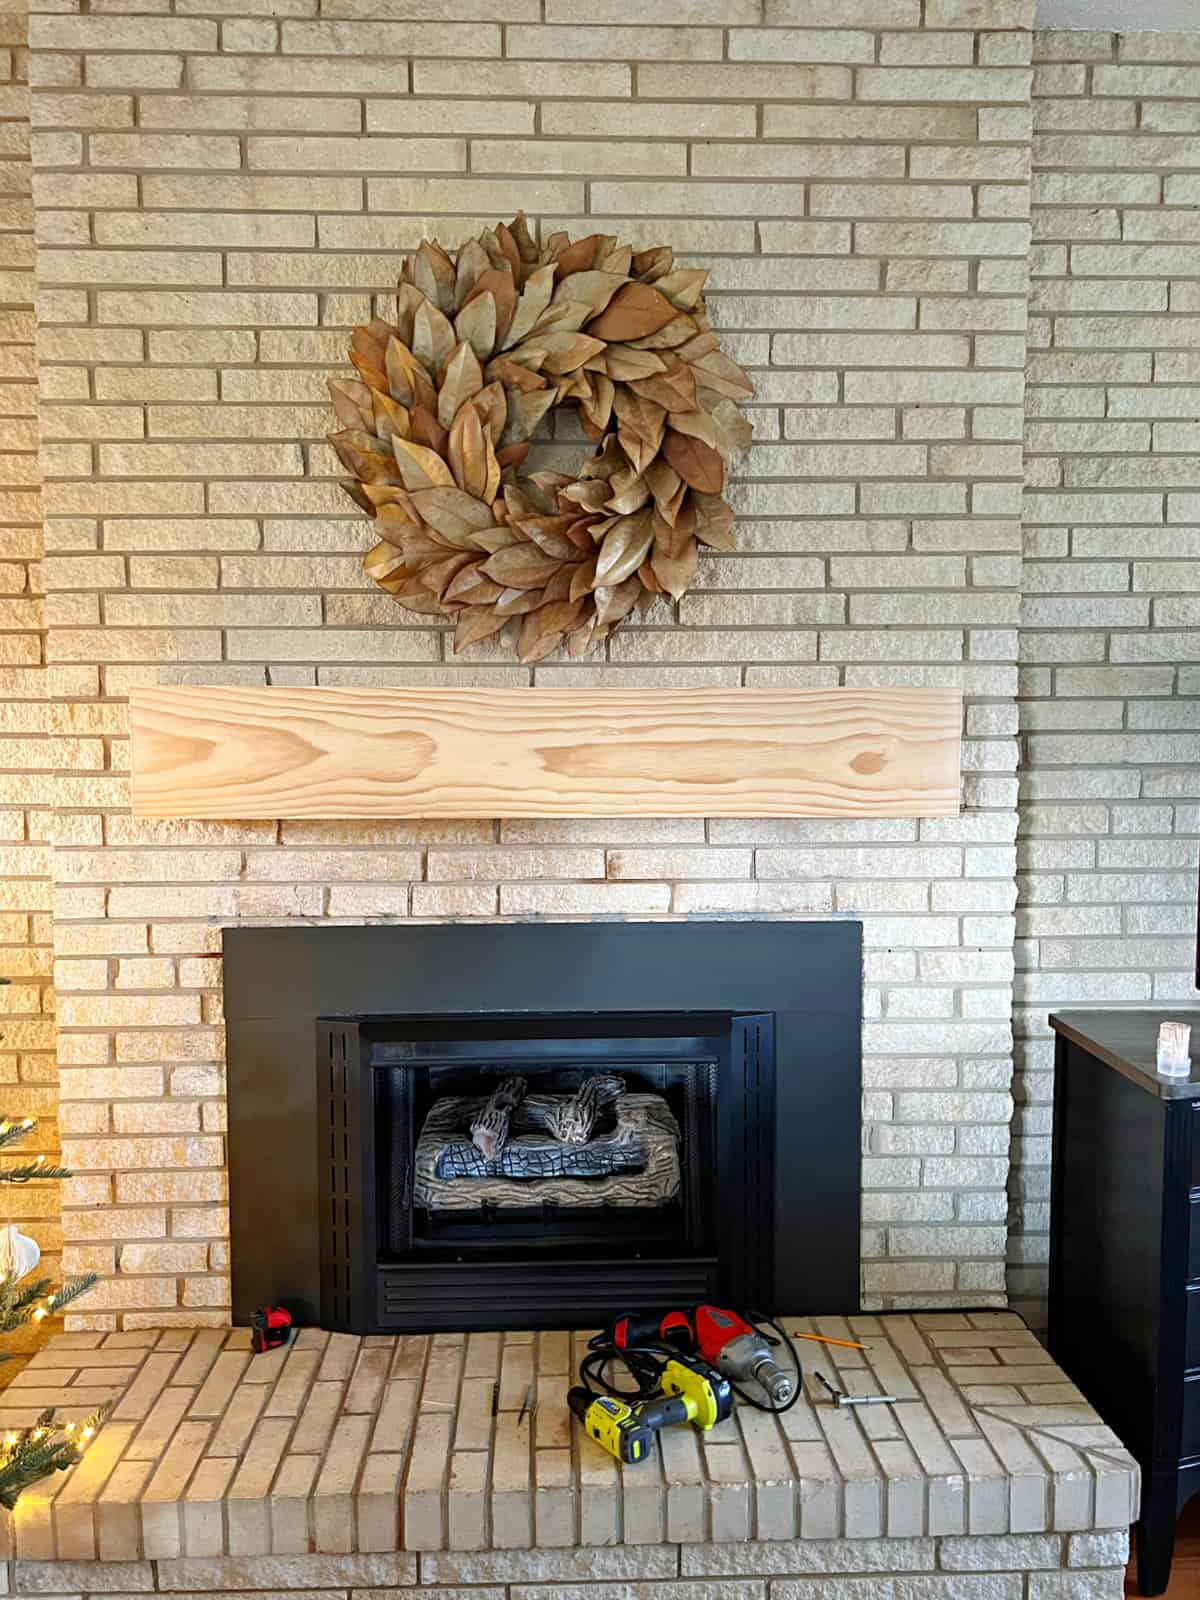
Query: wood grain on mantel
280,752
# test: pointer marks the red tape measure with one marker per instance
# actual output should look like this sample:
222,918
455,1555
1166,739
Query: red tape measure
270,1327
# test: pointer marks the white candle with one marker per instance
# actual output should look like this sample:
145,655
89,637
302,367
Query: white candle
1174,1043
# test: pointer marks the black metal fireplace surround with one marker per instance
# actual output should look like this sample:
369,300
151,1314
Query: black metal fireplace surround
723,1163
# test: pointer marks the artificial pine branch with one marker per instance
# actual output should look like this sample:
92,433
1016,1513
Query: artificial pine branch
27,1454
31,1169
19,1301
12,1133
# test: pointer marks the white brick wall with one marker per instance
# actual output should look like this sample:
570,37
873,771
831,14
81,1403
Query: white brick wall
219,198
198,278
27,1071
1110,689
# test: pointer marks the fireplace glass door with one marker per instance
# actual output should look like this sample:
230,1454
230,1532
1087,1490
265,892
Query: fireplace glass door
547,1145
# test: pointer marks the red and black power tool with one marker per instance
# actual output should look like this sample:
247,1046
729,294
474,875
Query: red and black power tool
270,1327
726,1340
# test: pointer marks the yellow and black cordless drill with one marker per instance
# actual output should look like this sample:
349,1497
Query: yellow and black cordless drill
691,1392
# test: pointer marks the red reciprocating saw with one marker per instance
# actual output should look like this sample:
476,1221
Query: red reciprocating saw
723,1338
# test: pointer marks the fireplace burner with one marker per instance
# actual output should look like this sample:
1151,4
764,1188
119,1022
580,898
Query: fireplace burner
481,1141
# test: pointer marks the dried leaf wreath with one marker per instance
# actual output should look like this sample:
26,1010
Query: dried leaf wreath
488,341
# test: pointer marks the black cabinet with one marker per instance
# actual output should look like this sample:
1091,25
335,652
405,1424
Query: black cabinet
1125,1253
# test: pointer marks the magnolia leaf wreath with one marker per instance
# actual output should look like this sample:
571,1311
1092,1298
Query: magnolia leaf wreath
488,341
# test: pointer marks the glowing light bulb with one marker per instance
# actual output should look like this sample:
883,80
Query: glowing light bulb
39,1313
40,1162
87,1433
5,1126
29,1122
10,1439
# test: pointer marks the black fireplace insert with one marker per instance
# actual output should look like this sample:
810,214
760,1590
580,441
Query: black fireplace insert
493,1127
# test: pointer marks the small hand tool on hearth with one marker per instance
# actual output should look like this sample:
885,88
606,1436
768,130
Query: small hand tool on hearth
270,1328
841,1399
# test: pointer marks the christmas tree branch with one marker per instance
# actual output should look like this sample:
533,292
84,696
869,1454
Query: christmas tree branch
70,1290
32,1169
12,1130
28,1454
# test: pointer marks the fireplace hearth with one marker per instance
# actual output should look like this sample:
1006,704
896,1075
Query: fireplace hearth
444,1127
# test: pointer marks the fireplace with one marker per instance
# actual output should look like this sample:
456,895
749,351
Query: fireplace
533,1125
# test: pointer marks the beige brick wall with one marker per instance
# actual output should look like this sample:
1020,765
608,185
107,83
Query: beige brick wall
27,753
1110,643
219,198
1042,1566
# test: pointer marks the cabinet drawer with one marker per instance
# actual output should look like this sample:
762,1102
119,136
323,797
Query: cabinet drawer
1193,1253
1191,1356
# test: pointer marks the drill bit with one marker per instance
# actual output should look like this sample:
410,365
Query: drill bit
841,1399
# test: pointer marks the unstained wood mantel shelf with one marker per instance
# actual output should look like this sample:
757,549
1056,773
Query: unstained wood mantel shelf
446,752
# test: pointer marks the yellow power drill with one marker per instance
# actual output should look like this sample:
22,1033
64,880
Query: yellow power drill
692,1392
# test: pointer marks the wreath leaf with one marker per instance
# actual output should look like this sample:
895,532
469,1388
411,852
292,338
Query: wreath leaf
499,283
463,379
697,463
465,453
535,297
352,402
360,453
476,323
633,312
624,549
451,512
420,467
521,566
433,338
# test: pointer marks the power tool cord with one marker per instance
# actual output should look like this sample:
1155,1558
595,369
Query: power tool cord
644,1363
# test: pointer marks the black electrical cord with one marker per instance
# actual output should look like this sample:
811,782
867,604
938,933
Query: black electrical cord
644,1363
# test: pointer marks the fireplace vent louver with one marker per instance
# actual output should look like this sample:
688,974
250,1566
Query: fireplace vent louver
338,1142
753,1048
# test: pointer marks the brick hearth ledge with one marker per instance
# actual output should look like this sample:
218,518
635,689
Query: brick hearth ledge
370,1464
